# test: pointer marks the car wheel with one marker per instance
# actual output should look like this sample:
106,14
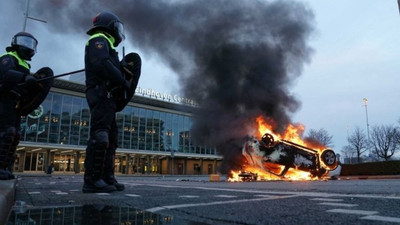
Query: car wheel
328,157
267,139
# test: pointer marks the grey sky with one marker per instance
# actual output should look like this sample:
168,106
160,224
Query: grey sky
356,48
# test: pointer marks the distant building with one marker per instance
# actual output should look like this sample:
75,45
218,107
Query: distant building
154,134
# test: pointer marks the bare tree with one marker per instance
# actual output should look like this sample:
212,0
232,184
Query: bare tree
348,153
358,143
383,140
320,136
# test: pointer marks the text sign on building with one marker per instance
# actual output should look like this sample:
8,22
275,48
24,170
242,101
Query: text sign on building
164,96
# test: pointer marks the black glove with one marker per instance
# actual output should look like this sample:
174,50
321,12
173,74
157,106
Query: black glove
123,63
133,63
128,62
30,80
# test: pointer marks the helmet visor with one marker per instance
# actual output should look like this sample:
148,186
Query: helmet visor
119,28
26,41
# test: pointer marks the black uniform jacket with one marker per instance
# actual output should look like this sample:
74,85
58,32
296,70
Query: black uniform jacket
11,74
102,66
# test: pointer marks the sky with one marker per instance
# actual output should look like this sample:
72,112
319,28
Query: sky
357,48
355,55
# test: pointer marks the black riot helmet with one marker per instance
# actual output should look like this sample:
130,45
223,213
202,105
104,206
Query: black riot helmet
110,23
24,44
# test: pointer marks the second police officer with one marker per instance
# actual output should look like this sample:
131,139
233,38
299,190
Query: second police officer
110,83
20,94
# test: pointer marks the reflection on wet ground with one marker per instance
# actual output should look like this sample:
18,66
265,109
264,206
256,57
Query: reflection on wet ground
89,215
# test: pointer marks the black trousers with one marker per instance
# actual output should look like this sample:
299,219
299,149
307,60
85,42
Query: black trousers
9,120
9,114
103,113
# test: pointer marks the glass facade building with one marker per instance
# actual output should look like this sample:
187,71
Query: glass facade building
154,136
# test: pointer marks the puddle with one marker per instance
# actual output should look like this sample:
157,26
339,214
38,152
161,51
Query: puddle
89,215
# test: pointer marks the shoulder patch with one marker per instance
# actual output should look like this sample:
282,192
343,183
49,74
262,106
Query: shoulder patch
5,61
99,44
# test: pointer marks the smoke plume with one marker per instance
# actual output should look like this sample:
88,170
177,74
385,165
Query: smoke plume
237,59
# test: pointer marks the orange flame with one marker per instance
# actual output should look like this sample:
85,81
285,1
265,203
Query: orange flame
292,133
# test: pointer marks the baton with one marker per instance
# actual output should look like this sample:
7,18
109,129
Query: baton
61,75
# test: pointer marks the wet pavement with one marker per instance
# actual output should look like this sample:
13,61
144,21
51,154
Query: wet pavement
89,215
7,198
58,199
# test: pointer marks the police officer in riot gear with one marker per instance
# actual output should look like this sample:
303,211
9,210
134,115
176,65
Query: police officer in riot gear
106,85
17,89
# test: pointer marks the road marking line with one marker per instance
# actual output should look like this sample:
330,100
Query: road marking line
132,195
382,218
327,199
61,193
34,193
356,212
189,196
300,194
337,204
102,194
156,209
264,196
225,196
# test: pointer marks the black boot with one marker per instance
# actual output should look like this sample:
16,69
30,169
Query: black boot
93,185
93,182
109,167
11,159
11,155
7,153
6,175
110,179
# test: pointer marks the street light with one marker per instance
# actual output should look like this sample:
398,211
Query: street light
169,135
366,115
29,17
398,2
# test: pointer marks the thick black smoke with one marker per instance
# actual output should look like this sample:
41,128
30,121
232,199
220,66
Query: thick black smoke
236,58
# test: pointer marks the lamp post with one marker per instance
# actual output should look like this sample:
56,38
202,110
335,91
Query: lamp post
398,2
169,135
366,115
29,17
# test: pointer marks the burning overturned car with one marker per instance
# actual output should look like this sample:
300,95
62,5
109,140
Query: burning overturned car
278,156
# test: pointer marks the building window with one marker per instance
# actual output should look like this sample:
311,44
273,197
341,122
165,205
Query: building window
65,120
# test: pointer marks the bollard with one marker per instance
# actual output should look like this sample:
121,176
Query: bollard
214,178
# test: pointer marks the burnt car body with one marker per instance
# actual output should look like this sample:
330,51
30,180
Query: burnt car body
248,176
278,156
